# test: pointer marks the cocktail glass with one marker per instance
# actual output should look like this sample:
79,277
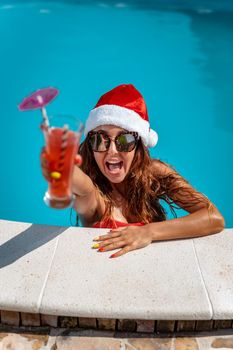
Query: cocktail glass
62,136
62,139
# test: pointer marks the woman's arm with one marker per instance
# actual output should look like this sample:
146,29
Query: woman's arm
196,224
203,218
88,203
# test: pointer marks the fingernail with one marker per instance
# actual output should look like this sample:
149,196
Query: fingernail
112,256
95,238
101,250
95,246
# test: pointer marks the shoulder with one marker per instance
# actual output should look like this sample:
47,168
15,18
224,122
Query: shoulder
161,168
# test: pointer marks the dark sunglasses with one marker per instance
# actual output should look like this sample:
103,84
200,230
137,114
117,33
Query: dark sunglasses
125,141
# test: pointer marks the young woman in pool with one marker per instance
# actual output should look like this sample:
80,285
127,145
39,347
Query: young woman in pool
118,186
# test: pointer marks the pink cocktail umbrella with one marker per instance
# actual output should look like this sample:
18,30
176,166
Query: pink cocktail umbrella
38,100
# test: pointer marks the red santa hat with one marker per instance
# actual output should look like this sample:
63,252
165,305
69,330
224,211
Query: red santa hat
124,107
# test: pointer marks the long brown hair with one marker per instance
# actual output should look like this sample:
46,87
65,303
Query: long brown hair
144,187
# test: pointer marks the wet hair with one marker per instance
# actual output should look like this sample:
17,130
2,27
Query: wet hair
145,187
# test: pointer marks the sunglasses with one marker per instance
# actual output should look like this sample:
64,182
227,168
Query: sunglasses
125,141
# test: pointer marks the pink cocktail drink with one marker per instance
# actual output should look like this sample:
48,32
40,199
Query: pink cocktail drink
61,148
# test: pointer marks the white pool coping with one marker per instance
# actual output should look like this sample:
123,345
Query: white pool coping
53,270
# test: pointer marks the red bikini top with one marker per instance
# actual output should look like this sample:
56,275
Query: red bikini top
110,223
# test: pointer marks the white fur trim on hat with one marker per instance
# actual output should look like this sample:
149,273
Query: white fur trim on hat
124,118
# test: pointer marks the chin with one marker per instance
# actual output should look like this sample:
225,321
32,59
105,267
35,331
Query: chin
116,180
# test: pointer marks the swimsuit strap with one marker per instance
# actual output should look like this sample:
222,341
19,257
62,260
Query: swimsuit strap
115,224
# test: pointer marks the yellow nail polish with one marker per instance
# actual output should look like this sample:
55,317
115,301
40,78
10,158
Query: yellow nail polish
95,238
95,246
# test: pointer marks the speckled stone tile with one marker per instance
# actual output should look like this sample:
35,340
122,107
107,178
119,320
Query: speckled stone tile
220,340
160,281
23,341
83,343
66,339
185,343
26,252
216,262
149,344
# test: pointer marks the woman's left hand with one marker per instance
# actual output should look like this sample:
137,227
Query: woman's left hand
127,238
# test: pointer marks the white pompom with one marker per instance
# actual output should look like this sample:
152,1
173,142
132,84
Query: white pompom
152,139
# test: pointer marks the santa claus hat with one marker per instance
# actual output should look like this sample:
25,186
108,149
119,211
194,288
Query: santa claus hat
124,107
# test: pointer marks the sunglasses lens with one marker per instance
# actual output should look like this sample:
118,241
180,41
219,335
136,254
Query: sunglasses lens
126,142
99,142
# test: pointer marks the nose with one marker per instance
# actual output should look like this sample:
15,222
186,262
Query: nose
112,148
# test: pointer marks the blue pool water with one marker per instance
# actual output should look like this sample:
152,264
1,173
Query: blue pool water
178,54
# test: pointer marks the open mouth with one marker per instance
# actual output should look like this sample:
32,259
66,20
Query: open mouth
114,167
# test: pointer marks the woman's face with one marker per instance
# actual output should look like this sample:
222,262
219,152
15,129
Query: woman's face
114,165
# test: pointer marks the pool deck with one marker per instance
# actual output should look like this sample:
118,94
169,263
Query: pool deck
53,270
59,293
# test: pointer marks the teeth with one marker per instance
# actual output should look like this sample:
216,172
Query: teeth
114,166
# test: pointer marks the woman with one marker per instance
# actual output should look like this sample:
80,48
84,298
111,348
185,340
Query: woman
118,185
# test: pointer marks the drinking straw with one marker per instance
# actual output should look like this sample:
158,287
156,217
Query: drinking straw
64,138
43,110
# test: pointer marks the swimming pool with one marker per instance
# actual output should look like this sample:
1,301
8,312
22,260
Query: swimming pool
179,56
